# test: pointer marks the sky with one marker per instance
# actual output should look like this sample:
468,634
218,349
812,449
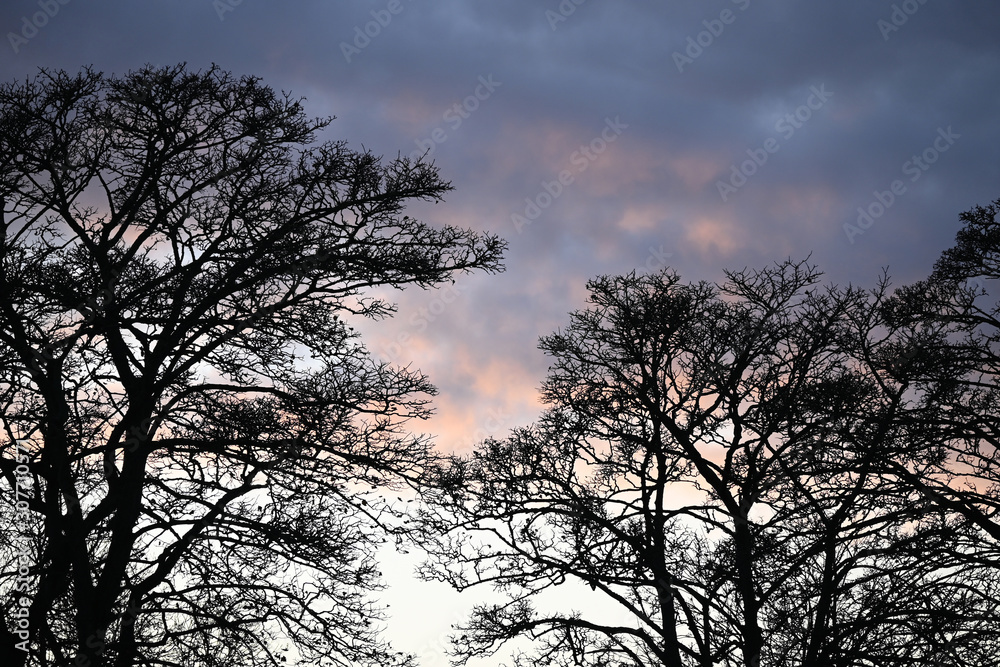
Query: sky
598,137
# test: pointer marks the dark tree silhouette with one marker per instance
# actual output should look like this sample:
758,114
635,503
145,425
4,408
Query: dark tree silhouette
710,467
959,303
200,431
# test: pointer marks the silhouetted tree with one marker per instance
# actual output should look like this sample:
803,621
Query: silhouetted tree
711,465
200,430
962,371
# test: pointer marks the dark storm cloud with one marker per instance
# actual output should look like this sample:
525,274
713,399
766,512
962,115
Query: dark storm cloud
700,88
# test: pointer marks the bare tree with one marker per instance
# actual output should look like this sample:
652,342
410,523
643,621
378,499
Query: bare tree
710,467
193,429
958,302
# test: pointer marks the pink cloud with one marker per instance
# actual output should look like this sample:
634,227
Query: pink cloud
718,234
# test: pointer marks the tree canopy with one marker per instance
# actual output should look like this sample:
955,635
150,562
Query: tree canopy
768,470
761,472
192,426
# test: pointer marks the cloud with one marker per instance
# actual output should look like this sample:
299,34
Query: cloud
714,237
